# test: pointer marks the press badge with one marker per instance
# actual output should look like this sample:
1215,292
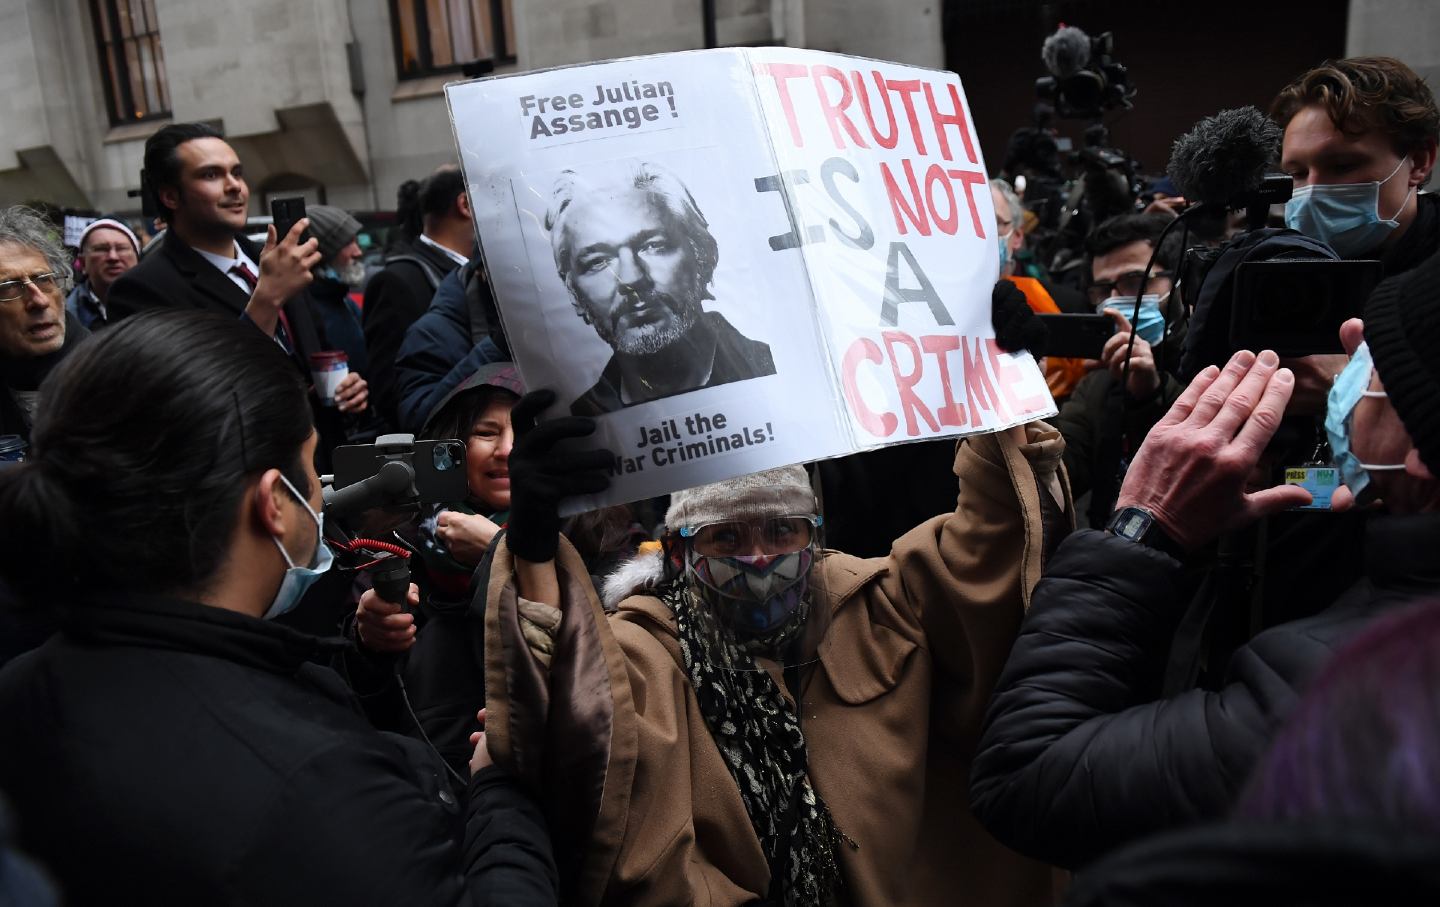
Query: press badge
1320,481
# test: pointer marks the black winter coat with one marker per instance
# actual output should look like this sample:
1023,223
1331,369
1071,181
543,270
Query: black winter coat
28,374
458,334
163,752
394,298
175,276
1317,863
1079,754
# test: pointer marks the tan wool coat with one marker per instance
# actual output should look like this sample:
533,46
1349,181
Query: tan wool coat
642,808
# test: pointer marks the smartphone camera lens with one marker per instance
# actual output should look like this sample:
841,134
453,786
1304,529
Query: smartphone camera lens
447,456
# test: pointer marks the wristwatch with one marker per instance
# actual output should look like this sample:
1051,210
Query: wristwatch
1139,526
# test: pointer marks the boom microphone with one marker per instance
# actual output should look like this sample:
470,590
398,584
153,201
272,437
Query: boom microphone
1222,161
1066,52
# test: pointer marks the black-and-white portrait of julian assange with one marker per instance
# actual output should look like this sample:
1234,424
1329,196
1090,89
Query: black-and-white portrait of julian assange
638,257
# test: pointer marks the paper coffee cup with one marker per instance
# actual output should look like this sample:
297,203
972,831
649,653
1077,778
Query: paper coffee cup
327,370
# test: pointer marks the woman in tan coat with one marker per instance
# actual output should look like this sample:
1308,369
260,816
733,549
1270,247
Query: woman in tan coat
750,718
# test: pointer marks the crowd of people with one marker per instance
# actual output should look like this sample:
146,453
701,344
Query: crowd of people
1113,658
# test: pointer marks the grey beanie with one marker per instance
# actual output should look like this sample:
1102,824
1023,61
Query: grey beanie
774,492
334,228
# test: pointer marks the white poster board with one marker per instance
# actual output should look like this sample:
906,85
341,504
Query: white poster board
742,258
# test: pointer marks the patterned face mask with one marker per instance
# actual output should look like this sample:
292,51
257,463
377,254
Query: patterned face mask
754,594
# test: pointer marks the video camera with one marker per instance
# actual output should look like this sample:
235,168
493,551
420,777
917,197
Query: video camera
394,475
1269,287
1085,80
394,472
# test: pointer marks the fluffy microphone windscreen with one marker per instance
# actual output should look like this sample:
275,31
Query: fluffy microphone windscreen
1066,52
1225,156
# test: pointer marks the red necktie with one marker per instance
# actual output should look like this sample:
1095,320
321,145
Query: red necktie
282,332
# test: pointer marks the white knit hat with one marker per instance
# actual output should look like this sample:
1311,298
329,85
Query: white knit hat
774,492
113,224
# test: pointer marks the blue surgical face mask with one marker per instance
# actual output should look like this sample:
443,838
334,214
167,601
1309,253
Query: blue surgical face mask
1351,386
1150,323
1004,253
1344,216
298,579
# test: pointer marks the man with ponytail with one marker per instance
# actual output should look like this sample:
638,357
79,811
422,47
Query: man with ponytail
172,743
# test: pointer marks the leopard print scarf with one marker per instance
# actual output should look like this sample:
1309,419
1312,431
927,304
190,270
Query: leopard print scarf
759,736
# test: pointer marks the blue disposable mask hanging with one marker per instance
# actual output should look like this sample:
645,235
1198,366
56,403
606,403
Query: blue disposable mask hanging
1344,216
1149,325
299,579
1350,387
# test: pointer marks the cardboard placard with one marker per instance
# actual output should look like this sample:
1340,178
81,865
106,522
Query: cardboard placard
742,258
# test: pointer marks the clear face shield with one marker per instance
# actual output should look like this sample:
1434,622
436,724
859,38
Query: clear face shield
748,595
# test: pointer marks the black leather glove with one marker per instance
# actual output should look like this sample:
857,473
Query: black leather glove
1017,327
541,475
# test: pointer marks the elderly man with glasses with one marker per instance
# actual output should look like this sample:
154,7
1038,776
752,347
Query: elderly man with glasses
35,331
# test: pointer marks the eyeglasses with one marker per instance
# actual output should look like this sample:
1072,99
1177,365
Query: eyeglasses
12,290
116,248
1128,284
732,538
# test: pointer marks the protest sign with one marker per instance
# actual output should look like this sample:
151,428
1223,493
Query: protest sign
743,258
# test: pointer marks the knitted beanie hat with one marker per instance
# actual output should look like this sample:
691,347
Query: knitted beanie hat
112,224
333,228
775,492
1402,328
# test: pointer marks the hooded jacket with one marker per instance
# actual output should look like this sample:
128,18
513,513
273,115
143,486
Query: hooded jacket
642,806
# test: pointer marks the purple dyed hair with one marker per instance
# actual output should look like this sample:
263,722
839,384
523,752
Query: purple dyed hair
1364,742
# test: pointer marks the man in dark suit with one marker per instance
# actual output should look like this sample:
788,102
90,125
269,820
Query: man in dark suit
205,262
638,258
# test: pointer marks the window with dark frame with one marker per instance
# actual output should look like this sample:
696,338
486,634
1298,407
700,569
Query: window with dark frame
131,59
440,36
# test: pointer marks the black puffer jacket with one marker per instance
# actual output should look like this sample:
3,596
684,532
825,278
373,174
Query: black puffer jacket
1079,754
163,752
1324,863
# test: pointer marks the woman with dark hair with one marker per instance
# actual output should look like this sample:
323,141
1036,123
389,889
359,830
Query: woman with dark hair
172,744
478,414
438,633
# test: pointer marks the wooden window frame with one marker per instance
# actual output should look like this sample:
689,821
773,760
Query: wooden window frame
503,53
118,79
